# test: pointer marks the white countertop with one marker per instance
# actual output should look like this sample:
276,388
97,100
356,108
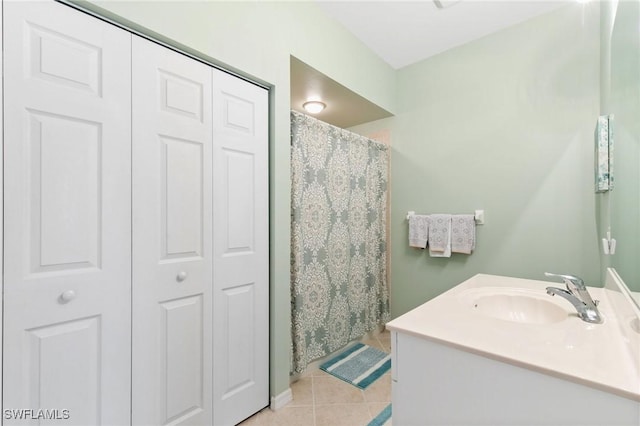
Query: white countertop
596,355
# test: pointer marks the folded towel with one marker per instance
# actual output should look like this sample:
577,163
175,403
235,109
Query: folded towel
440,235
418,230
463,233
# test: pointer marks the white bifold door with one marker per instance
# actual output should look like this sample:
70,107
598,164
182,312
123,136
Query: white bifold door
172,237
200,242
241,249
67,216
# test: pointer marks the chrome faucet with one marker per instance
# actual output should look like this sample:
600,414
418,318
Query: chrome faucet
577,294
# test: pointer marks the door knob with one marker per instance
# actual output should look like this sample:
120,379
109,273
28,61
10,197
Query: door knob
67,296
181,276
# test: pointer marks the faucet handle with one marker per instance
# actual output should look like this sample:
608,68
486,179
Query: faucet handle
569,280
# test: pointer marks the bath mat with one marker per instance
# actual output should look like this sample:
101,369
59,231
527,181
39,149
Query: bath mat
382,418
359,365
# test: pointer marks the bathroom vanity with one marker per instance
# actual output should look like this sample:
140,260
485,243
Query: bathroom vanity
500,351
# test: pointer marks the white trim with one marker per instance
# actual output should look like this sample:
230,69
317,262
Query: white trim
280,400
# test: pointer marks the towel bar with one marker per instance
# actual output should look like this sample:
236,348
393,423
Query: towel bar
478,216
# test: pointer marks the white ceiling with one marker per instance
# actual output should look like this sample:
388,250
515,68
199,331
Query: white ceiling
405,32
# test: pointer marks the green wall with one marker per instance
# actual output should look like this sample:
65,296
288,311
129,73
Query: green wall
256,39
603,199
505,124
624,102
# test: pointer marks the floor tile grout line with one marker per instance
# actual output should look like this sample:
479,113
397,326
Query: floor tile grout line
313,400
366,401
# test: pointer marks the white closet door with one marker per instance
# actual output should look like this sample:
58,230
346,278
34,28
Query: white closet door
241,249
67,214
172,253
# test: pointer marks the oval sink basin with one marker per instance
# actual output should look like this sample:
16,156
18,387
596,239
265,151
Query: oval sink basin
515,305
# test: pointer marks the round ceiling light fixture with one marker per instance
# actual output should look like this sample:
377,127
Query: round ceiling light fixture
314,107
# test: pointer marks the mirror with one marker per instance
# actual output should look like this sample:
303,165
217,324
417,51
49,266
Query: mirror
624,104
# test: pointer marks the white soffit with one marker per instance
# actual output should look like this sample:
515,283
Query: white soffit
344,107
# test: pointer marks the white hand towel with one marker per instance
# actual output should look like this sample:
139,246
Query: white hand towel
418,230
440,235
463,233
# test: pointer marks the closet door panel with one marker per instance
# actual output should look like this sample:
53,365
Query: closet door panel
182,198
172,253
67,214
65,193
241,283
53,363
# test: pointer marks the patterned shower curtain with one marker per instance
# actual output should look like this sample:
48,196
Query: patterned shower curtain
338,249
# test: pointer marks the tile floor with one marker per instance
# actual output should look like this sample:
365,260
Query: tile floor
320,399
